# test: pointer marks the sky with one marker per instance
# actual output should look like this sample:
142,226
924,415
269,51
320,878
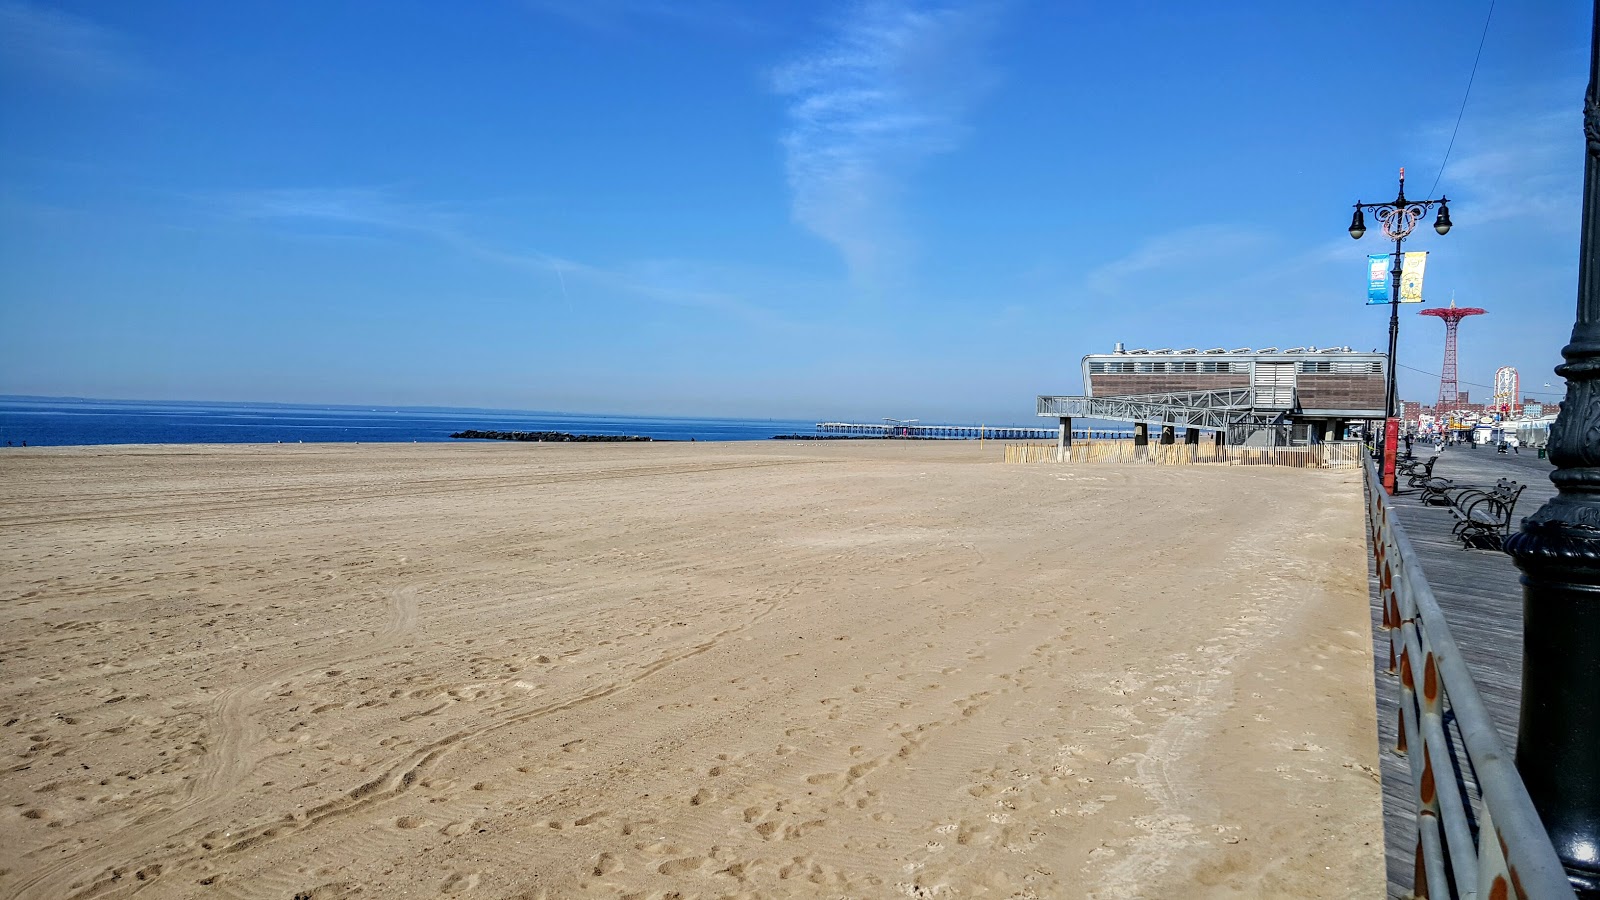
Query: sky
812,209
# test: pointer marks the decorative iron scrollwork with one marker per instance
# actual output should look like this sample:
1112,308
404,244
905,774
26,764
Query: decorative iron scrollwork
1398,221
1591,124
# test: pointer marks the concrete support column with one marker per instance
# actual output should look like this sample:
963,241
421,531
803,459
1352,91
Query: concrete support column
1063,439
1168,433
1219,437
1191,435
1141,440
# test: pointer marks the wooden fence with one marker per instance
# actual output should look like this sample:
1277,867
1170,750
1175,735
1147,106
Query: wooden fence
1333,455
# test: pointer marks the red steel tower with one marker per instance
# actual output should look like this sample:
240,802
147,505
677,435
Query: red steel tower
1452,316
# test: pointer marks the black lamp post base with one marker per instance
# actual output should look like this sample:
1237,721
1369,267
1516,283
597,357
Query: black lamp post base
1558,739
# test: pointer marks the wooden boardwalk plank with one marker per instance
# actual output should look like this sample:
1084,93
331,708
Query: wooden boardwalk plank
1481,597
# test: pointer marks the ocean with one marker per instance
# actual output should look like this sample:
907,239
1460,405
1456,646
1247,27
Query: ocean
65,422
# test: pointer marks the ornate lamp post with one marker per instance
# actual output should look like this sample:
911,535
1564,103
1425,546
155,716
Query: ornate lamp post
1558,551
1398,217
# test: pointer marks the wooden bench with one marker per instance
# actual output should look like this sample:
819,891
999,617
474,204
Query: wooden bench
1415,476
1483,517
1436,490
1439,491
1443,491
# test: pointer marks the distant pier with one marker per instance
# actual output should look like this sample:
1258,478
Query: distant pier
892,429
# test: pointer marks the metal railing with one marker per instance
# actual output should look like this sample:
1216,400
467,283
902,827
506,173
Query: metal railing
1211,410
1208,410
1493,847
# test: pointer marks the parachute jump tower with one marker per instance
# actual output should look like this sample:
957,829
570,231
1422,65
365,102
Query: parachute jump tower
1452,316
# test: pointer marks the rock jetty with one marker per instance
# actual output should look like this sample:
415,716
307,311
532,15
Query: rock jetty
547,436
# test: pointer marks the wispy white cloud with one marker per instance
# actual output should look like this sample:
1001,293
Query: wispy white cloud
368,211
889,88
625,15
55,44
670,282
1517,163
361,208
1175,254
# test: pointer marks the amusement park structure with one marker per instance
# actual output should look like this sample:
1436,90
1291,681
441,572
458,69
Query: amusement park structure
1452,316
1506,384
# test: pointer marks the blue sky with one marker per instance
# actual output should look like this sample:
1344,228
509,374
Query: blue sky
721,208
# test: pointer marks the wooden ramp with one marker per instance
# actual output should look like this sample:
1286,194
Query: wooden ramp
1481,598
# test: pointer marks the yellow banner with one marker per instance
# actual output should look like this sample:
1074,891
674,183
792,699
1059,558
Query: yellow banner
1411,277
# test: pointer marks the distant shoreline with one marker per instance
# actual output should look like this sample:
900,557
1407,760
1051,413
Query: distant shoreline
93,423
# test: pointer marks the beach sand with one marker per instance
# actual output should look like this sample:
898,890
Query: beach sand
863,669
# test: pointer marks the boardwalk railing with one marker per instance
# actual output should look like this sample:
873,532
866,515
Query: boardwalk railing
1491,846
1339,455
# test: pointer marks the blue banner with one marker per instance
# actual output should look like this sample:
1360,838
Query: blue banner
1377,278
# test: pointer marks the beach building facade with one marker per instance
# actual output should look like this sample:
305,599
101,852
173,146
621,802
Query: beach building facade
1316,392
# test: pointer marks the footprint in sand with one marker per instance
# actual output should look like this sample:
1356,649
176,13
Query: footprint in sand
680,866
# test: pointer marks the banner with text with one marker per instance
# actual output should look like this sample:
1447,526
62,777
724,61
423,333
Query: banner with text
1411,277
1377,278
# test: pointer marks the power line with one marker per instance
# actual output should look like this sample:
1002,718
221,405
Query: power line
1464,97
1476,384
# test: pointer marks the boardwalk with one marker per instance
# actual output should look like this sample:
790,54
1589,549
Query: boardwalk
1481,598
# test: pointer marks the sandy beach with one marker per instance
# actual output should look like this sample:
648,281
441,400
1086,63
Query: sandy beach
854,669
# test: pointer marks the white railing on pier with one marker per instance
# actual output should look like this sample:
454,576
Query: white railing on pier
1493,847
954,432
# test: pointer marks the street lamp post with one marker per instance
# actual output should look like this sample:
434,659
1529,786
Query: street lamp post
1558,551
1398,217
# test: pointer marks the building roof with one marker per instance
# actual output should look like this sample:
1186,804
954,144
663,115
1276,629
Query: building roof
1140,351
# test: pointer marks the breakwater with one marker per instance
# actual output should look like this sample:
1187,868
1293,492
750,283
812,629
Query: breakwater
556,437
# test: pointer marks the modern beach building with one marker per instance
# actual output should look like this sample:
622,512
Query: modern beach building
1300,394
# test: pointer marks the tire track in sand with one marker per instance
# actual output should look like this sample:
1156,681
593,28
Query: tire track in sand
277,497
235,733
397,779
1166,771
